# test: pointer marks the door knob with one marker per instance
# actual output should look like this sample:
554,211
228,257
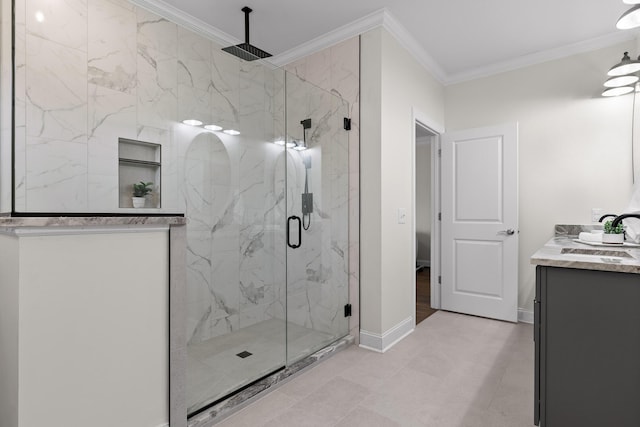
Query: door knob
508,232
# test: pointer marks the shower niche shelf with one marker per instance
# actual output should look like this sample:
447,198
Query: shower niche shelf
138,161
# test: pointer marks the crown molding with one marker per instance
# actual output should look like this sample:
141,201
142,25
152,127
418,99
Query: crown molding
352,29
179,17
407,41
379,18
544,56
382,18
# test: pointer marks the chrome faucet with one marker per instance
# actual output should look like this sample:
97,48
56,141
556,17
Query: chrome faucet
619,218
606,216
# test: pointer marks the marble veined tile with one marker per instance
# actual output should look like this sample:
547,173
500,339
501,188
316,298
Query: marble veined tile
156,71
345,63
153,135
103,194
102,155
157,91
20,107
63,21
126,4
56,176
194,103
318,68
111,113
20,59
112,46
56,87
226,84
157,36
194,60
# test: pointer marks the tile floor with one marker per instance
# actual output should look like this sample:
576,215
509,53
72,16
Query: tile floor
452,371
215,370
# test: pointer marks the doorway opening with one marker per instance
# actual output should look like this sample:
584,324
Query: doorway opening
425,220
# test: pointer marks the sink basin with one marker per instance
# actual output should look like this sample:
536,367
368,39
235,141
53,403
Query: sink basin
597,254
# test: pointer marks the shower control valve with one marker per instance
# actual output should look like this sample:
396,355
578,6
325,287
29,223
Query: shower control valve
307,203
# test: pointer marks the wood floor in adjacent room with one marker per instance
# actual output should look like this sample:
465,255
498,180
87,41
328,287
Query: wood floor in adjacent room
423,295
452,371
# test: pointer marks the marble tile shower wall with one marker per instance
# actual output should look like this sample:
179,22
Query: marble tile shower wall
97,70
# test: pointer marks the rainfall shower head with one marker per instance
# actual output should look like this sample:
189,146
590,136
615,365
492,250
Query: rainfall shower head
246,50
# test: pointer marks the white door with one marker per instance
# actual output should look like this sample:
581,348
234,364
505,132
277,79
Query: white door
480,222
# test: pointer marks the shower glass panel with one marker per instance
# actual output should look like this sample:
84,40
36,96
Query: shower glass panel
317,212
233,188
255,304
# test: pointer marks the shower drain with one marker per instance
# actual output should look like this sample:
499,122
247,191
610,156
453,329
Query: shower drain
244,354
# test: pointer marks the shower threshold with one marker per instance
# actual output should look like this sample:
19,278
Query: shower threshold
230,404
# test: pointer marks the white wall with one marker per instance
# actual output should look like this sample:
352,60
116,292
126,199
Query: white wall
392,84
574,145
92,323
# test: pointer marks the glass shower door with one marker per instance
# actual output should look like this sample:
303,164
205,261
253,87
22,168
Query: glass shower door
317,218
233,187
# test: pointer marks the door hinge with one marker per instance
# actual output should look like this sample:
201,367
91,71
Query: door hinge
439,152
439,216
439,279
347,123
347,310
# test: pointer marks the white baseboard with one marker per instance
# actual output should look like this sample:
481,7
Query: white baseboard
383,342
525,316
163,425
424,262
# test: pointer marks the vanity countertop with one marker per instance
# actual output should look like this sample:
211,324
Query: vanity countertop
564,251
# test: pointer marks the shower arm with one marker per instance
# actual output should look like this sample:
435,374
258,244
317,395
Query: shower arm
247,10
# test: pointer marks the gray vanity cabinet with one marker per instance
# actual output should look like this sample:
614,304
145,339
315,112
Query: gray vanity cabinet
587,345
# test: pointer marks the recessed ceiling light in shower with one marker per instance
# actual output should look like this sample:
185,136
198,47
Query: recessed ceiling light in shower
213,127
231,132
192,122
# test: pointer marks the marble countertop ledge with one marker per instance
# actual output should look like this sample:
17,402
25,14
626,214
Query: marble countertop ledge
90,221
587,257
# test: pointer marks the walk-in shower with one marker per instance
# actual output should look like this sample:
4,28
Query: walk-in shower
264,290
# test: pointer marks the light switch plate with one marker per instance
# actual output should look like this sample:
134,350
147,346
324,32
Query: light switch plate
402,215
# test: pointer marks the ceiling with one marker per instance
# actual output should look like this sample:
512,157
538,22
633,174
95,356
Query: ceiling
458,36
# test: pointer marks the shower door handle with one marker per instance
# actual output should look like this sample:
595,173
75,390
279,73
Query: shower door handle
294,218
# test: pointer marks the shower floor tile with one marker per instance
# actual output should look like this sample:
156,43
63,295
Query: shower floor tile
215,370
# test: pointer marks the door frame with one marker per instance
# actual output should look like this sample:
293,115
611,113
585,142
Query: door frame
420,119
